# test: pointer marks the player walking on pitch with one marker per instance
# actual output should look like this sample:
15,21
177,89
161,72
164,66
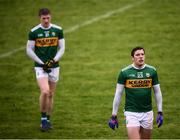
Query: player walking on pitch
46,46
138,79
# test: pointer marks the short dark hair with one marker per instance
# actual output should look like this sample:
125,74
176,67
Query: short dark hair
44,11
135,49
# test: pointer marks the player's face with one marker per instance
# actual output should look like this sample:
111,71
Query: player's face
139,58
45,20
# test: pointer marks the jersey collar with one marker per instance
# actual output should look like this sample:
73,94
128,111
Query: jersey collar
139,68
44,27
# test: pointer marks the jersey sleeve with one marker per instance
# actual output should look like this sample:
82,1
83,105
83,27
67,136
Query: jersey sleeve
155,80
60,34
31,36
121,78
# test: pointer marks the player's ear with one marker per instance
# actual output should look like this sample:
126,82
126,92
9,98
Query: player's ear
132,58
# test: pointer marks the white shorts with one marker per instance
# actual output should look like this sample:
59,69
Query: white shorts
144,119
53,76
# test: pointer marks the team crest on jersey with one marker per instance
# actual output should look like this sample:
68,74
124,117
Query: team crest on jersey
53,34
140,75
147,74
46,33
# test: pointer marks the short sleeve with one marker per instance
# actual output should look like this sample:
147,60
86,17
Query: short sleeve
31,36
60,34
121,78
155,80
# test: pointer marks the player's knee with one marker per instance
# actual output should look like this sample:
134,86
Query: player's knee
51,94
45,92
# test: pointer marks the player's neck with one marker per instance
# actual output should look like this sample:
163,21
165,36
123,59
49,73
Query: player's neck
45,27
138,66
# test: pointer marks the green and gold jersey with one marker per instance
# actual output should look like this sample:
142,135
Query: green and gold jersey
138,84
46,41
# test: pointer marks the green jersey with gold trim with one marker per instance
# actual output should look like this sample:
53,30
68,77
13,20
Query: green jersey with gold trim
138,84
46,41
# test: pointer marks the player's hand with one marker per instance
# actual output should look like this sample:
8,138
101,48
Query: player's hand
113,122
49,63
159,119
46,69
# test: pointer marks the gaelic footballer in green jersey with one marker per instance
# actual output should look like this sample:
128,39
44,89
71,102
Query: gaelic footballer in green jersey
47,42
46,46
138,84
137,79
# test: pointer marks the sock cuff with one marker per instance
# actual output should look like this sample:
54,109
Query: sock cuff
43,118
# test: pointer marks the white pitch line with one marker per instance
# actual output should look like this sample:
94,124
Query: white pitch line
11,52
88,22
104,16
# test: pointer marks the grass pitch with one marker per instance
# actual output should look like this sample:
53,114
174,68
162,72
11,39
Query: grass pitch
89,68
